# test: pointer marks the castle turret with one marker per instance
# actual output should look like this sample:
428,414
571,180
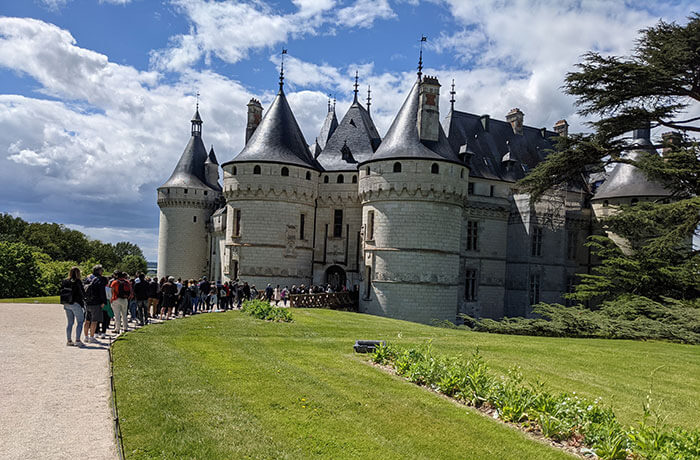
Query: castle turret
211,170
411,186
255,111
186,201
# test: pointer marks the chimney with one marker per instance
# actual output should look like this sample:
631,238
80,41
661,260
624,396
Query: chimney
562,128
642,133
254,117
485,122
671,140
515,118
429,110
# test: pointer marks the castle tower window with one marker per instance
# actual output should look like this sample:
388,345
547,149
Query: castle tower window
338,223
325,179
370,225
285,171
368,282
206,193
571,243
256,169
435,169
235,171
461,174
606,203
302,221
536,245
308,175
237,223
491,190
471,284
472,235
397,167
354,179
470,188
367,170
634,201
194,219
235,269
185,191
534,288
341,179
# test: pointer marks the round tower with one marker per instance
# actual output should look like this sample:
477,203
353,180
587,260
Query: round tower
187,201
413,192
270,189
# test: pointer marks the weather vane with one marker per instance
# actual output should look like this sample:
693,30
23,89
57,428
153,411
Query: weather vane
197,97
284,51
423,38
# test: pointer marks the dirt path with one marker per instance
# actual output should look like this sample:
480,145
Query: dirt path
54,399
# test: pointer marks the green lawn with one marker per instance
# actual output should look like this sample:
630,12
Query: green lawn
47,299
230,386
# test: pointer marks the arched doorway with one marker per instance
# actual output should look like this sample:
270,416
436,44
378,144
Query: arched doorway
335,276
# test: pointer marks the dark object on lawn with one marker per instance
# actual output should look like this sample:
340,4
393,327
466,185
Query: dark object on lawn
367,346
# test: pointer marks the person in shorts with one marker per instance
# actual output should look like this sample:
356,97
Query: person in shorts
95,299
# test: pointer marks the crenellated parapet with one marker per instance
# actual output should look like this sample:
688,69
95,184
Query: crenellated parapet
270,181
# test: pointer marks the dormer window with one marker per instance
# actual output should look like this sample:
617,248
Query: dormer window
397,167
354,179
341,179
285,171
256,169
435,169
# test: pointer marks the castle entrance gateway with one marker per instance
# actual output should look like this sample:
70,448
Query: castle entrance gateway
335,276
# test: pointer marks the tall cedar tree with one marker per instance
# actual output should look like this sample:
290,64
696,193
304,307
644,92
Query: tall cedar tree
657,86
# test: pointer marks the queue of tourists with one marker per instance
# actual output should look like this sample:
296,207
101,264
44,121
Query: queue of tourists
91,303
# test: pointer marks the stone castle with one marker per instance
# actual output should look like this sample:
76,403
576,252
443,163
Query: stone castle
425,221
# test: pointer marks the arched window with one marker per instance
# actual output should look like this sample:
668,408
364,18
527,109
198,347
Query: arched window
235,171
341,179
354,179
435,169
285,171
367,170
397,167
461,174
256,169
325,179
308,175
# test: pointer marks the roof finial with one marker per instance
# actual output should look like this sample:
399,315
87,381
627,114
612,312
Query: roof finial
197,105
452,93
423,38
284,51
369,97
329,102
356,86
333,102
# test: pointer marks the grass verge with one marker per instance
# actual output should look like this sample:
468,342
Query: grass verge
231,386
47,299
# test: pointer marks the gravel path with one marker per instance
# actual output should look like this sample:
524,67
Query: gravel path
54,399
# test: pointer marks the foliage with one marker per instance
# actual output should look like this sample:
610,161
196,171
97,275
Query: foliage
264,310
51,272
628,317
132,264
557,416
18,270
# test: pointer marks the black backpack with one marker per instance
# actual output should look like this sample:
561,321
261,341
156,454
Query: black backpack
92,295
66,292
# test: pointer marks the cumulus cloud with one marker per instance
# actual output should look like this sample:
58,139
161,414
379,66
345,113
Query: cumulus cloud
363,13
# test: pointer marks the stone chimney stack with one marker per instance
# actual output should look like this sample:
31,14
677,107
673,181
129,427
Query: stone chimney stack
254,117
429,110
562,128
671,140
515,118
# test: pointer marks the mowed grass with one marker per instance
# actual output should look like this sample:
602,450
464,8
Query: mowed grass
48,299
230,386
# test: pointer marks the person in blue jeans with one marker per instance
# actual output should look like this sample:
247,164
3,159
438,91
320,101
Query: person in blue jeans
73,300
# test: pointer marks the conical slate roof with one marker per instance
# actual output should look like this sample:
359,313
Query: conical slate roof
211,160
329,126
356,135
189,171
626,180
403,140
278,139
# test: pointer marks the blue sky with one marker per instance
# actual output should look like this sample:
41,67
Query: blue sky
96,96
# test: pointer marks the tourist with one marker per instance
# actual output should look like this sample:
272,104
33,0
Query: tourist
72,298
269,292
246,293
141,297
285,295
153,291
204,288
95,299
212,300
194,295
184,299
121,292
277,295
169,291
254,294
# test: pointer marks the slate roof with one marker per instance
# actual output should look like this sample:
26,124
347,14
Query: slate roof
329,126
492,150
278,139
403,140
189,171
353,142
211,159
626,180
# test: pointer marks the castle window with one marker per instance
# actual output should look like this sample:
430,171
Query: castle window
235,171
472,235
341,179
285,171
461,174
470,287
354,179
325,179
571,242
435,169
470,188
536,245
206,193
491,190
194,219
302,221
368,282
185,191
237,223
235,269
370,225
634,201
397,167
256,169
308,175
367,170
534,288
338,223
606,203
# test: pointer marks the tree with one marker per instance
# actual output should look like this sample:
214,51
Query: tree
11,228
18,270
656,86
124,248
133,264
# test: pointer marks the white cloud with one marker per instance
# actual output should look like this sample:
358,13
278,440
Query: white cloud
363,13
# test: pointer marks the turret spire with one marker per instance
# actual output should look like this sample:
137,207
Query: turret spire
284,51
355,86
423,38
452,94
369,97
196,119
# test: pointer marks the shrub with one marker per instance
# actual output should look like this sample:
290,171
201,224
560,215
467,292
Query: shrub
263,310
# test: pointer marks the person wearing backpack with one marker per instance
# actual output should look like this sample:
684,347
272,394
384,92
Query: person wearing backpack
95,299
121,291
72,298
